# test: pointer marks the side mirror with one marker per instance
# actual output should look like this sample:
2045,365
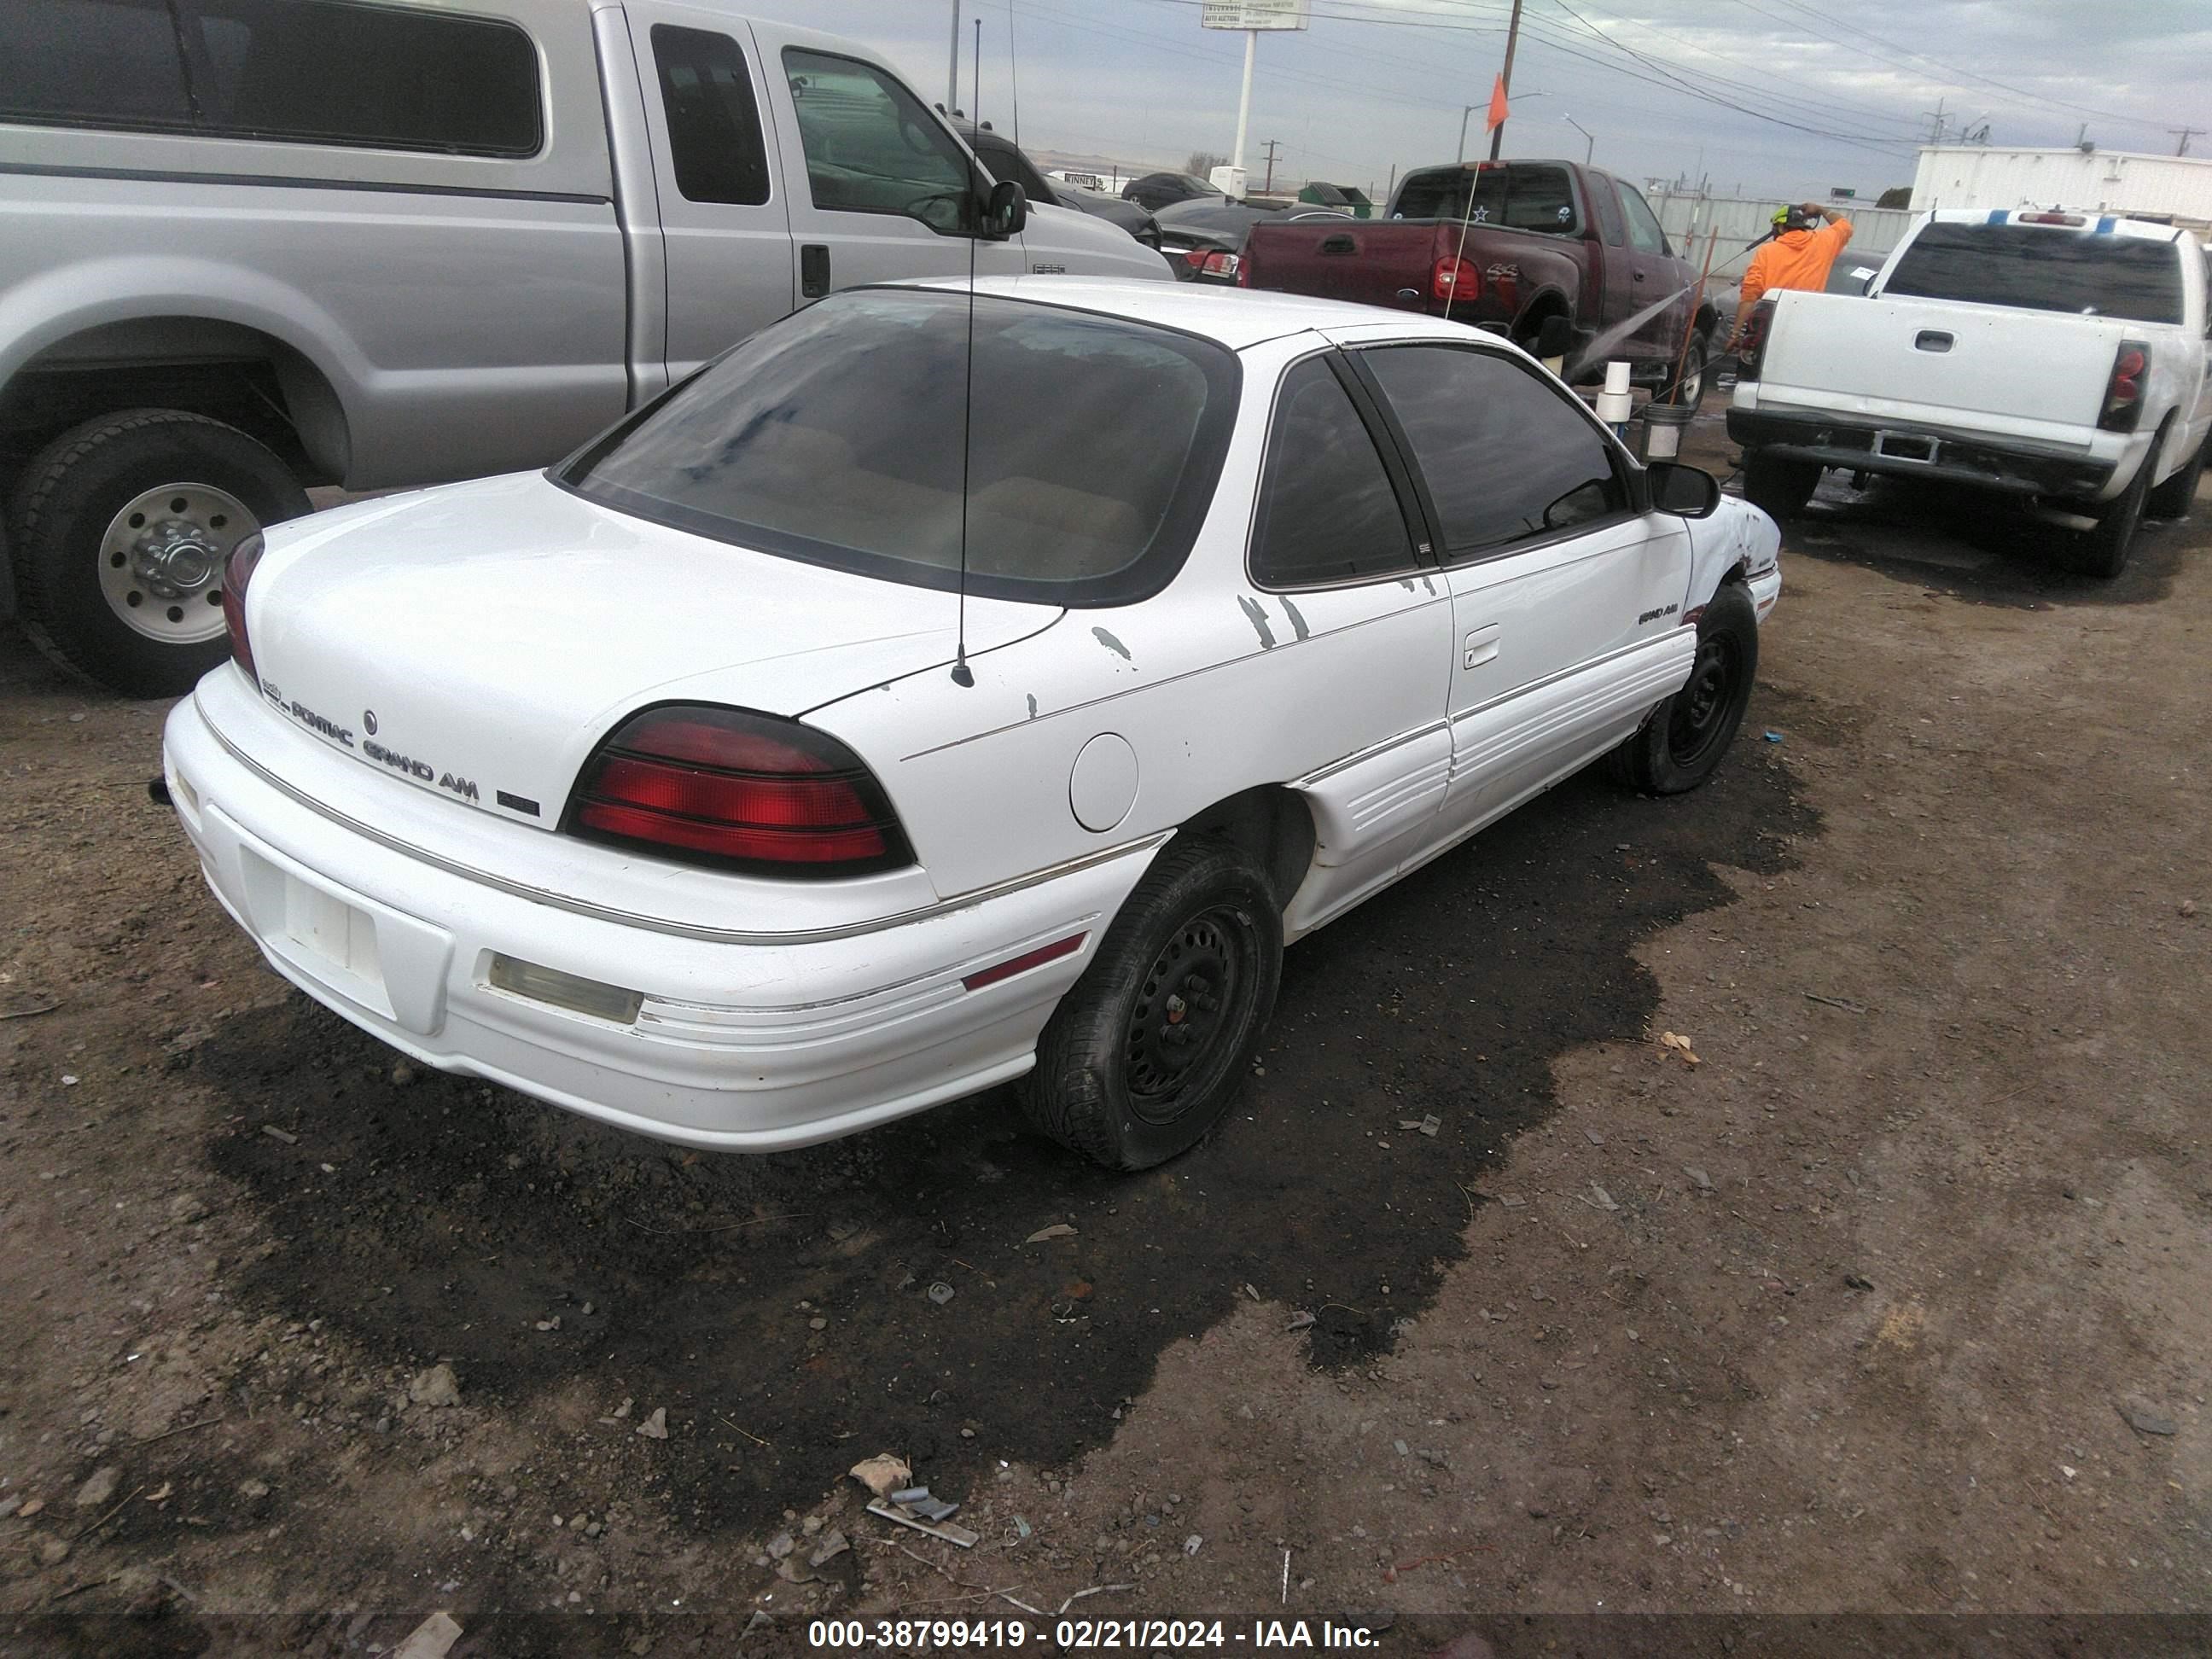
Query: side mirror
1687,492
1555,336
1005,210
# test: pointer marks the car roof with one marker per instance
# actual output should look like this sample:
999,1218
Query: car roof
1233,317
2093,223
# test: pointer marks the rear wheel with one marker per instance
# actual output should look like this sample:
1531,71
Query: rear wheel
2173,498
1777,487
1144,1056
1684,741
120,529
2103,552
1690,387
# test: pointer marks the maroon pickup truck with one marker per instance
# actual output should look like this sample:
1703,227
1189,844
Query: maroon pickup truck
1508,246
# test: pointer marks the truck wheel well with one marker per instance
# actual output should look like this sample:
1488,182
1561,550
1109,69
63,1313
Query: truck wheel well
224,371
1271,825
1550,303
1708,320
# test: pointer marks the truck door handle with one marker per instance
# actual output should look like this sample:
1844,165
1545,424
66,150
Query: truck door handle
1339,243
1931,340
1638,276
813,270
1481,647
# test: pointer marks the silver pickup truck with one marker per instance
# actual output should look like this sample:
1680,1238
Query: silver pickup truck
247,246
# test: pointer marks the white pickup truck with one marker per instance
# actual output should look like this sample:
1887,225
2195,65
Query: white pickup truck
251,245
2052,355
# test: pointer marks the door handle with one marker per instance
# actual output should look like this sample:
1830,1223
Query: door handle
813,270
1481,647
1638,276
1338,243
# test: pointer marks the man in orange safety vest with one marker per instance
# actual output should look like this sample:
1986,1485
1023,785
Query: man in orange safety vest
1794,255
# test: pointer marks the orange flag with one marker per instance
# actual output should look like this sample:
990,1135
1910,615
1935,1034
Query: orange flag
1497,106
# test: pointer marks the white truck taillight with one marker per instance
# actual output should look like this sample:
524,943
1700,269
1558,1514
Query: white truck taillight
2124,392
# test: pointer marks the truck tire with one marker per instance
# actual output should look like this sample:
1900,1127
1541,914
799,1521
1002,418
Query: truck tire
1687,736
1143,1055
1777,487
1689,391
2173,498
120,530
2103,552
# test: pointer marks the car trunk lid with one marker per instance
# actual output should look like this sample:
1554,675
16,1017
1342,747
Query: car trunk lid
477,642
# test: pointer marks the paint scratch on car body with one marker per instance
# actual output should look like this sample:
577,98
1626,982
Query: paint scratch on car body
1112,644
1258,618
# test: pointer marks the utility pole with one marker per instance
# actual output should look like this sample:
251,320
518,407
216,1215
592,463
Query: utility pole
2185,134
1936,121
1512,40
1268,184
952,74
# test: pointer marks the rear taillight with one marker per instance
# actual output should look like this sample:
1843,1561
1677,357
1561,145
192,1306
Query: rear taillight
236,574
2124,392
1455,279
1755,328
1195,257
737,790
1224,265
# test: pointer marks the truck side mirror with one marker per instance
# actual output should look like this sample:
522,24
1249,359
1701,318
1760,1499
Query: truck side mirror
1005,210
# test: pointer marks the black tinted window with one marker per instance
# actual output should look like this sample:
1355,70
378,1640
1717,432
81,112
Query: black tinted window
2041,269
870,147
1008,164
1327,511
714,126
1643,224
1505,454
103,61
1477,193
1607,206
835,436
331,72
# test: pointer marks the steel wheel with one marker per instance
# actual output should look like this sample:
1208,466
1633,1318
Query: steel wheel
161,560
1701,715
1188,1016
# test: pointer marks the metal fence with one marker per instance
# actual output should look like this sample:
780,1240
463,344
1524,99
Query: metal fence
1875,231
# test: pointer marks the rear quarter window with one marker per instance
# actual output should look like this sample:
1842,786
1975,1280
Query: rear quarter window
2035,268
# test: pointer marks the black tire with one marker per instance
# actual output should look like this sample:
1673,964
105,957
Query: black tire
1683,742
60,512
1688,390
1777,487
2103,552
2173,498
1109,1081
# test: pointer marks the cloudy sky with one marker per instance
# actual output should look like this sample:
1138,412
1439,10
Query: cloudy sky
1665,87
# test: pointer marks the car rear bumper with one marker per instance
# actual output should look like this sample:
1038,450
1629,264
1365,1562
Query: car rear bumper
742,1047
1906,450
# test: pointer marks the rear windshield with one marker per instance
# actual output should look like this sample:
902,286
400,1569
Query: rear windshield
1519,197
836,437
2039,269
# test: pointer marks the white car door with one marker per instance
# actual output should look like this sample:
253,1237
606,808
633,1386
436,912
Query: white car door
724,221
886,188
1566,594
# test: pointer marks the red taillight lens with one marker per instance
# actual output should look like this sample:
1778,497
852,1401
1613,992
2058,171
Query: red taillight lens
1754,340
1195,257
737,789
1455,279
2124,392
1222,264
236,574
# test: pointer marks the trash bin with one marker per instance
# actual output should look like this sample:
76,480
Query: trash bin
1662,431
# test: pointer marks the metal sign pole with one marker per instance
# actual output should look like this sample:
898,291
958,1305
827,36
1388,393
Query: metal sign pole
1244,99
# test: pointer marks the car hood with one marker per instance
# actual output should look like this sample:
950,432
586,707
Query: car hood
480,639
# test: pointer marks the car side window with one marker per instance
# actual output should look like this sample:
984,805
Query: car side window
714,125
1541,198
1328,514
1607,205
870,147
101,62
1505,455
1643,224
1008,164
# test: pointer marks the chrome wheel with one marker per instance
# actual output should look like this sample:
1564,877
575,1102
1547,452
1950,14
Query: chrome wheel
161,560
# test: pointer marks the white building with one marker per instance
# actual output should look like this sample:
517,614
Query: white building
2107,181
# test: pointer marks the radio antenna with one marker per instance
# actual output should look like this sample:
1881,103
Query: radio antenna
1014,77
962,674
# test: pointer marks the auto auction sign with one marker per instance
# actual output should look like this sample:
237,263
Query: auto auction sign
1254,14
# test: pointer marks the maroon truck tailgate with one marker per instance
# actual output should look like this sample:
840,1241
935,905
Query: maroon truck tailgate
1377,263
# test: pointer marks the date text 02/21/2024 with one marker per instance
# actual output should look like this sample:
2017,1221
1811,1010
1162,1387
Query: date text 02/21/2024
1141,1635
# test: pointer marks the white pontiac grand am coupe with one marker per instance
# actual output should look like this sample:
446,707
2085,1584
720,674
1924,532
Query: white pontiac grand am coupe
654,786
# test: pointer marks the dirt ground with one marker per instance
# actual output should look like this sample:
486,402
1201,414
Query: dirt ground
1892,1302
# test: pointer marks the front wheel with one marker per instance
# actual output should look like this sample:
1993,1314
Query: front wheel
1683,743
1143,1055
120,530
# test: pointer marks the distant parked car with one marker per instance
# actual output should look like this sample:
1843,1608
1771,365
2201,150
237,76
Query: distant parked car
1203,240
771,769
1160,190
1008,161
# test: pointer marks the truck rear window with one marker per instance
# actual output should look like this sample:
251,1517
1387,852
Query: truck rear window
2035,268
835,437
1519,197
